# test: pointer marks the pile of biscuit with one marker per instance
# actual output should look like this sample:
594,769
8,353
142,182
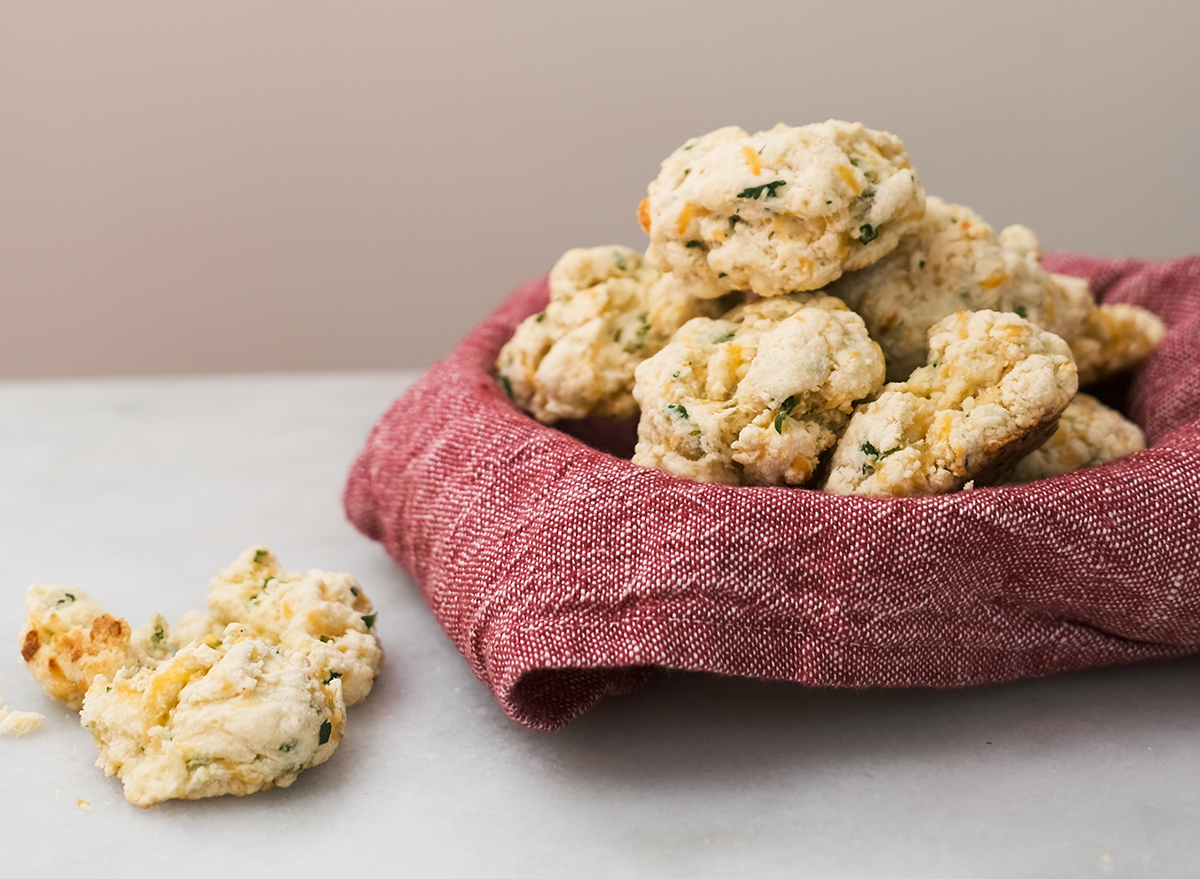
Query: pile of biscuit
790,274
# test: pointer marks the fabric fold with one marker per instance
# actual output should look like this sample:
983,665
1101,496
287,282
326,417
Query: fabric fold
564,573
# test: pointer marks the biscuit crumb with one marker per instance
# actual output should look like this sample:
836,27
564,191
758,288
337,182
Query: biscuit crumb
18,723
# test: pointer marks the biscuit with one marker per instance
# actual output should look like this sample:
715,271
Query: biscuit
951,261
608,312
993,390
228,715
1089,434
255,693
779,211
756,396
1115,338
323,616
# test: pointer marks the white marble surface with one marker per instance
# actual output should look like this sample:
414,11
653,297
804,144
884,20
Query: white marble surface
139,490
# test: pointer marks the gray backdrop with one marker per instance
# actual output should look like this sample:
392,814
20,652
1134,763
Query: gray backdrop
253,185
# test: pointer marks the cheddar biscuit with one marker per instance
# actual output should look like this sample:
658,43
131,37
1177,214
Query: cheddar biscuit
1089,434
993,390
608,312
228,715
756,396
779,211
953,261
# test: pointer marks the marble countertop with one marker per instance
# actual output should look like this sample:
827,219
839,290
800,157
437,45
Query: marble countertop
139,490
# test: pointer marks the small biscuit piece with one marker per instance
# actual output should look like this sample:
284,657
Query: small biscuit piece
323,616
1116,337
18,723
993,390
608,312
780,211
953,261
755,397
68,639
1089,433
230,715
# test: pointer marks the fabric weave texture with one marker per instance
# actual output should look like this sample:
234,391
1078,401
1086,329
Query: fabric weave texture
564,573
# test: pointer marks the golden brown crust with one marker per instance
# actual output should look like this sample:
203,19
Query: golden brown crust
31,645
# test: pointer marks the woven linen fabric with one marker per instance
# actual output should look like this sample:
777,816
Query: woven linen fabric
563,573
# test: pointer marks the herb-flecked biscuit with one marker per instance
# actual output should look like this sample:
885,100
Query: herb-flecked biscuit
993,390
255,693
608,312
231,714
1116,337
953,261
1089,434
756,396
68,639
325,617
779,211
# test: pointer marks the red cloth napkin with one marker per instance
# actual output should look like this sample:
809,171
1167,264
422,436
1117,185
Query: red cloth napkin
564,573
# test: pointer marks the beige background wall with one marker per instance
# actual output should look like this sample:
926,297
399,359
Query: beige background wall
252,185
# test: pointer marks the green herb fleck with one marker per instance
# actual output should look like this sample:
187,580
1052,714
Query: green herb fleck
620,261
921,264
541,317
325,733
616,336
734,220
694,433
268,580
325,639
677,410
643,328
689,146
158,635
506,384
854,162
354,591
870,451
725,338
722,275
867,233
369,619
829,201
260,556
332,675
287,746
1022,312
784,411
755,191
675,375
66,599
